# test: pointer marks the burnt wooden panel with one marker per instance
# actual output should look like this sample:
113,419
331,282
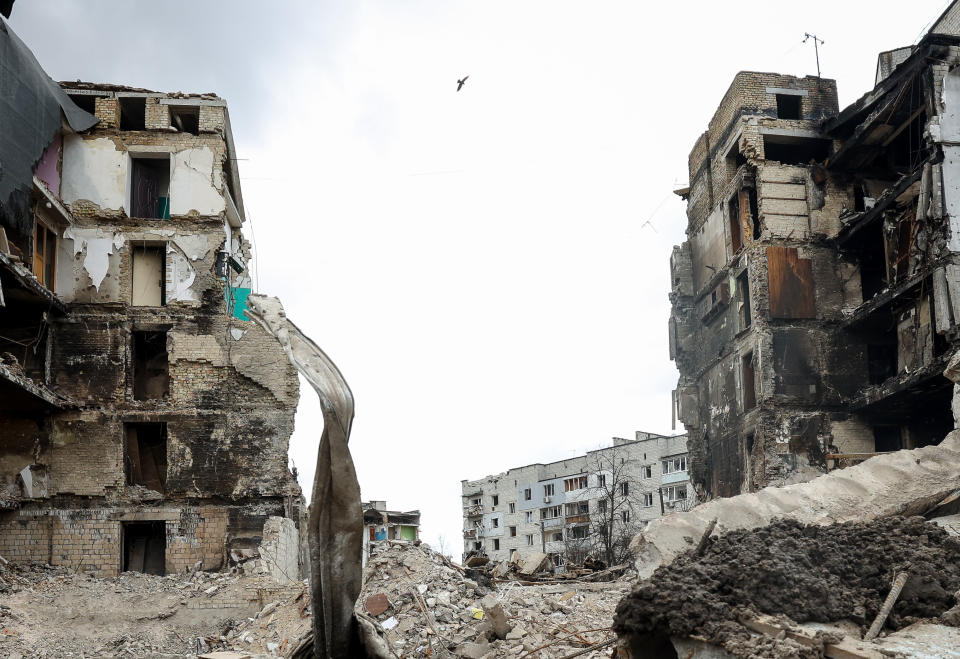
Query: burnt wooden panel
791,284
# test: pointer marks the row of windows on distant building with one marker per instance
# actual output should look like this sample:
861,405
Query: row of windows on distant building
668,466
670,493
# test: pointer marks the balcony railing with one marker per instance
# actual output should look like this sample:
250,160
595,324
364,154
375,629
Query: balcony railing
473,511
578,519
470,533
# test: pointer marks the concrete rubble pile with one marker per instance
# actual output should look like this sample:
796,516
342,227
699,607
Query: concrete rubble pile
859,563
427,606
538,567
56,612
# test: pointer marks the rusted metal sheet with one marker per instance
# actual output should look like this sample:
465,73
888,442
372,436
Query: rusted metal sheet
791,284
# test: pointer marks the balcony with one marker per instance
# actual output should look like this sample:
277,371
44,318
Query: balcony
473,511
578,519
675,477
552,523
470,534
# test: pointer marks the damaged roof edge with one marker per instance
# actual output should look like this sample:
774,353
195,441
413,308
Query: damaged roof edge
911,64
232,168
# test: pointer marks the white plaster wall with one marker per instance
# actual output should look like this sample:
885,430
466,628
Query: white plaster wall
93,170
95,261
195,184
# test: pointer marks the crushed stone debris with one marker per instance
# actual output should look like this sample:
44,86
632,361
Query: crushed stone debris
804,573
432,609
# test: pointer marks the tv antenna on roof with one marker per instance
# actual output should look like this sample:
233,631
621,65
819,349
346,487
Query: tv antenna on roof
816,51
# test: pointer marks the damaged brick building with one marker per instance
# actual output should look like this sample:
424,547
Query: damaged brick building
817,296
144,421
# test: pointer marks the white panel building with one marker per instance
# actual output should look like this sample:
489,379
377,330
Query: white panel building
587,505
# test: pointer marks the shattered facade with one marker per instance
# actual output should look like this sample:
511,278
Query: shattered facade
816,298
144,420
559,508
380,524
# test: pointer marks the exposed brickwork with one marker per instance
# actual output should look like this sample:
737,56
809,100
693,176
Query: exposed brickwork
157,115
211,464
108,112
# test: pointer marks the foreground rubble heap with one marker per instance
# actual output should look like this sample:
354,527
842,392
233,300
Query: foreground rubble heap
55,612
428,607
805,573
420,603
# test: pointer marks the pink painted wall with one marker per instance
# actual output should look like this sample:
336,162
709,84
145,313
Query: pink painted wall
47,168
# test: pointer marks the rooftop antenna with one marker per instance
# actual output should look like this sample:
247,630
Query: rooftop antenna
816,51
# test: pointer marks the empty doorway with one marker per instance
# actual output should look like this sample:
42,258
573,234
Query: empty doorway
145,547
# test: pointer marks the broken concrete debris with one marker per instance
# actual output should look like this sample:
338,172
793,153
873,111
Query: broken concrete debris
437,610
807,573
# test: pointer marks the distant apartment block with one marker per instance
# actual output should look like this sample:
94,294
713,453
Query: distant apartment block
590,505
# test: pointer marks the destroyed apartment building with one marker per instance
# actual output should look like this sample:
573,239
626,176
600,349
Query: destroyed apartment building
144,421
589,506
816,299
380,524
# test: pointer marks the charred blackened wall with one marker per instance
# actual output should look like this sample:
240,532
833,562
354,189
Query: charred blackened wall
170,410
814,300
756,286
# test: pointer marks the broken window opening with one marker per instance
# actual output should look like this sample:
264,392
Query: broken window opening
145,457
133,113
44,255
151,369
496,544
754,212
859,201
150,187
736,231
478,545
149,276
796,150
749,382
578,532
743,287
907,148
873,263
185,118
788,106
513,531
887,438
145,547
86,102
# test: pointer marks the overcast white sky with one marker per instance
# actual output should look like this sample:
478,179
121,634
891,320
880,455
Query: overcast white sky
474,262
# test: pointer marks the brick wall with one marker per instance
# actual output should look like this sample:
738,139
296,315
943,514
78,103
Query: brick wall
157,116
107,111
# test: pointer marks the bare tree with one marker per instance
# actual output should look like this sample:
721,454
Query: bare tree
613,519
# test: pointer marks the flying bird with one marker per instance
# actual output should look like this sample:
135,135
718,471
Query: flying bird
460,83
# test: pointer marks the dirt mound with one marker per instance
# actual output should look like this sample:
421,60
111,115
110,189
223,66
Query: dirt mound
807,573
